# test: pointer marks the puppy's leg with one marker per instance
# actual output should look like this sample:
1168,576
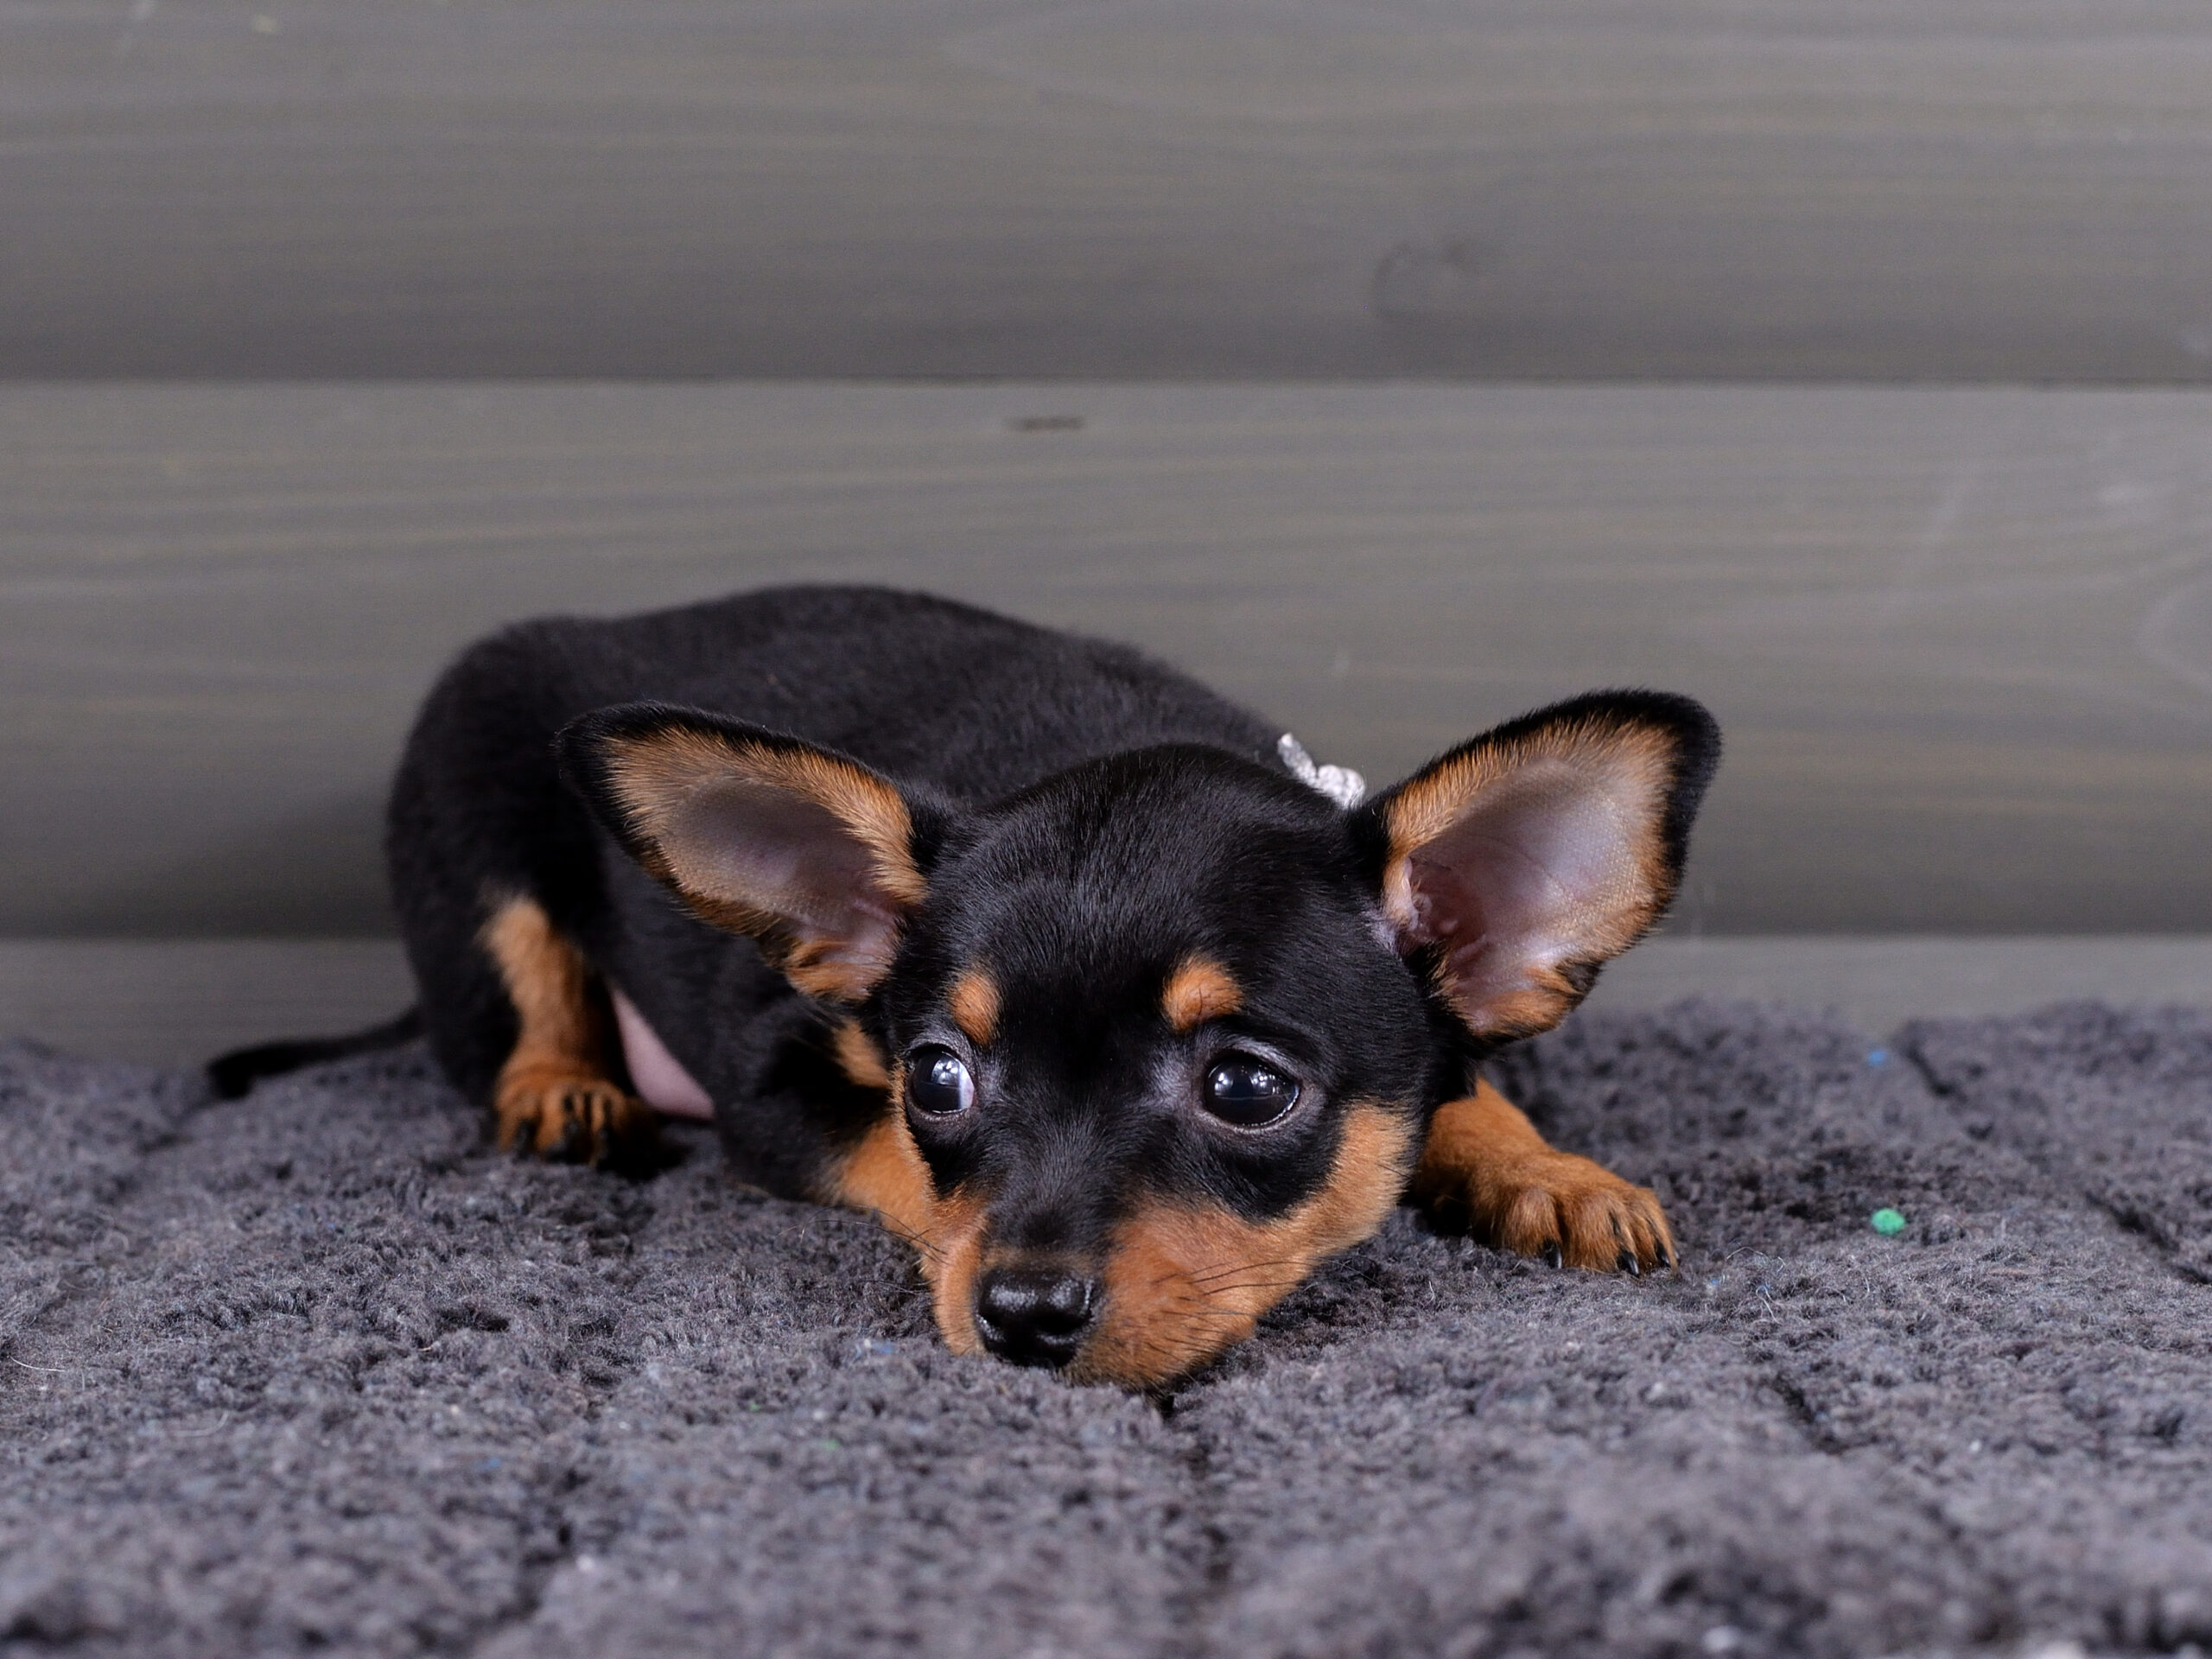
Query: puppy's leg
553,1096
1485,1164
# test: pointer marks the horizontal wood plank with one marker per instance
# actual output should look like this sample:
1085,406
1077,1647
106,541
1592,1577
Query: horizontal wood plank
1947,189
178,1002
1960,640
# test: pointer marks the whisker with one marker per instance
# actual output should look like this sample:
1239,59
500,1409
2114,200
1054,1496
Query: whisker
1216,1287
1214,1293
921,1242
1240,1267
1229,1316
1188,1353
1224,1312
1211,1314
1217,1284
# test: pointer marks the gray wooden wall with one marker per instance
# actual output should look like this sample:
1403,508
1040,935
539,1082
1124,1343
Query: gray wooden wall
1240,288
1960,640
1894,189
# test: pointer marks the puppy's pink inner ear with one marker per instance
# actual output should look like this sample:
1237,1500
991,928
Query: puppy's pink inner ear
1544,873
759,844
765,849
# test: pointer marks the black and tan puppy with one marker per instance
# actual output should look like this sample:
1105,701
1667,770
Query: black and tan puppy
1033,947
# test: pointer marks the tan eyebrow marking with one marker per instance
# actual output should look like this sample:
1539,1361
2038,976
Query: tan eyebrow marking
975,1002
859,1057
1199,989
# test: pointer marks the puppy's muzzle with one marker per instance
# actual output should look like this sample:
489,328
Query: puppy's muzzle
1035,1316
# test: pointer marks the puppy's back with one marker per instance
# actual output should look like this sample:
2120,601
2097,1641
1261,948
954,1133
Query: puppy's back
924,690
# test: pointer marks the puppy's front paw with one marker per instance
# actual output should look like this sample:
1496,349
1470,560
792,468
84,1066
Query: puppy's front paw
1572,1213
570,1118
1485,1167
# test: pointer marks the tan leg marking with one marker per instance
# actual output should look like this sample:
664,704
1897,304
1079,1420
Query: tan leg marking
553,1096
1486,1162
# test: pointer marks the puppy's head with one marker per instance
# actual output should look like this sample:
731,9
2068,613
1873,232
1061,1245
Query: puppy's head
1163,1031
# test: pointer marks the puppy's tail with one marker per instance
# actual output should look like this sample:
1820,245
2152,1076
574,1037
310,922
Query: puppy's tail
232,1076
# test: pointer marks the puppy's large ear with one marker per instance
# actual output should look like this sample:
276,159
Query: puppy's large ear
1515,866
806,851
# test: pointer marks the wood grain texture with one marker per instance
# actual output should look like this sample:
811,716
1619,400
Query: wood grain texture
180,1002
1960,641
1891,189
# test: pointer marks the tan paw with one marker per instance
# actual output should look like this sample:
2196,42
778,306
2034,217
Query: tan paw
1573,1212
569,1118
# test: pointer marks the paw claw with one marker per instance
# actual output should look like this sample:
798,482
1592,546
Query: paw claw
1572,1213
570,1120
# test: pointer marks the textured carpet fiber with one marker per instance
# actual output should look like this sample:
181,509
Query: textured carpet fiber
313,1371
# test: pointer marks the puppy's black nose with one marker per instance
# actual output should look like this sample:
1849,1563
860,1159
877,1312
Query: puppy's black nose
1033,1317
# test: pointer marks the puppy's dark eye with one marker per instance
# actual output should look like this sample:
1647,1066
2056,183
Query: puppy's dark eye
1247,1092
938,1082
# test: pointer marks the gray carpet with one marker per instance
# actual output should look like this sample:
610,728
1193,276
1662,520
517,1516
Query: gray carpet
314,1372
